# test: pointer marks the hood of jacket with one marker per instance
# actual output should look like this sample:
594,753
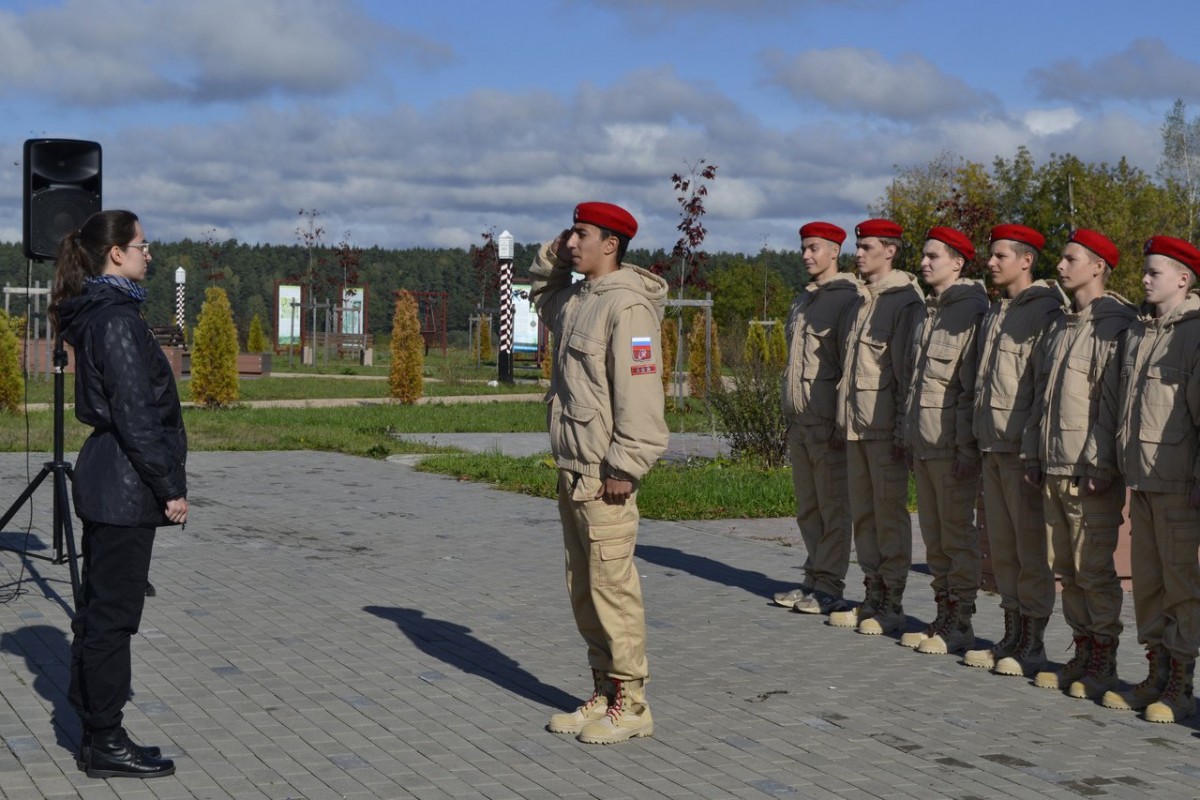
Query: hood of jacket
1111,304
75,312
896,281
1188,309
840,282
962,290
1041,289
635,279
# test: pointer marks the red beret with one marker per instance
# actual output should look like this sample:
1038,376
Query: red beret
1018,233
955,239
606,215
1098,243
823,230
884,228
1183,252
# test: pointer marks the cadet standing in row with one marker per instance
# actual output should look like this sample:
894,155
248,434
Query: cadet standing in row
878,367
940,442
818,327
1007,390
1158,450
1082,495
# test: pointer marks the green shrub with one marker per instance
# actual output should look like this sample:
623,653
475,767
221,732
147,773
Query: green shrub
214,353
749,414
405,378
12,381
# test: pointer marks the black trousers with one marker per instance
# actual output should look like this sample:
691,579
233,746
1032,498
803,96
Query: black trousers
116,569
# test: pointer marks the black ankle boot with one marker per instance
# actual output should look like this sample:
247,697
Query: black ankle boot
85,744
113,755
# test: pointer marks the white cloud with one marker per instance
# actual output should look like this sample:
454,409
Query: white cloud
1045,122
863,81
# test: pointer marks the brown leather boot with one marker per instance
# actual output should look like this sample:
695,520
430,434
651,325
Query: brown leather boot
1070,672
1138,697
1030,655
956,634
1177,701
628,716
1101,674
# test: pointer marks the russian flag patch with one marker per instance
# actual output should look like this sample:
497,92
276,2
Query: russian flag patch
642,349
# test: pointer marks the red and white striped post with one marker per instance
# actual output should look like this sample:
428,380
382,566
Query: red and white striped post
505,362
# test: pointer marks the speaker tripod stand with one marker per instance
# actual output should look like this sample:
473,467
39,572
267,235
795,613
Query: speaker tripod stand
63,547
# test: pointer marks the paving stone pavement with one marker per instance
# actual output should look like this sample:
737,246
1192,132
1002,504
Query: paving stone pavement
337,627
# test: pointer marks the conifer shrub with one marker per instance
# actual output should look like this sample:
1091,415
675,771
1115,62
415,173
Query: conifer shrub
406,377
12,380
256,341
777,346
483,341
670,330
214,352
703,364
548,357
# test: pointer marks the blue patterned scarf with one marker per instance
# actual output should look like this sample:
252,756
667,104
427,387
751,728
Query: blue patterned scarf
117,282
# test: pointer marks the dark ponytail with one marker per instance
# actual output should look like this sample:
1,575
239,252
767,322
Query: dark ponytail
84,252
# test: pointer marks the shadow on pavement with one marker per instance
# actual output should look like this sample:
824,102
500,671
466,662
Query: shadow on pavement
703,567
453,644
47,654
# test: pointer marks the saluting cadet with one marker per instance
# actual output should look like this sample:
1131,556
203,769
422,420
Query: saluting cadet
605,412
940,442
1007,395
1158,449
818,327
1082,496
878,366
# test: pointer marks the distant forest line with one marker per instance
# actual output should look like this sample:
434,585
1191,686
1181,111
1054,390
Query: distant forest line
250,272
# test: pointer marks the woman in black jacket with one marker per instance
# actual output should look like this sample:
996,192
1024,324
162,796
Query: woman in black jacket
129,478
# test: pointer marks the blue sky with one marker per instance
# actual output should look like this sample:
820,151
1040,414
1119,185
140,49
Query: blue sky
424,124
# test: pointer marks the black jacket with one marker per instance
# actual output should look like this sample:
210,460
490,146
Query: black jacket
134,460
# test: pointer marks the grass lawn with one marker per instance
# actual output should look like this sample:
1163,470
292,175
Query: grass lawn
700,489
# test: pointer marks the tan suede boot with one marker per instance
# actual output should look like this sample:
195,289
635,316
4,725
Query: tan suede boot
1138,697
628,716
986,659
1177,701
594,708
1070,672
889,615
956,635
872,598
914,638
1030,655
1101,675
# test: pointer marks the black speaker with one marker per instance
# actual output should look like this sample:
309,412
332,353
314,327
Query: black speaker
62,189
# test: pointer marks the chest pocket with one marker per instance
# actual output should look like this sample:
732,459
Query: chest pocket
873,364
1075,395
584,357
940,360
820,362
